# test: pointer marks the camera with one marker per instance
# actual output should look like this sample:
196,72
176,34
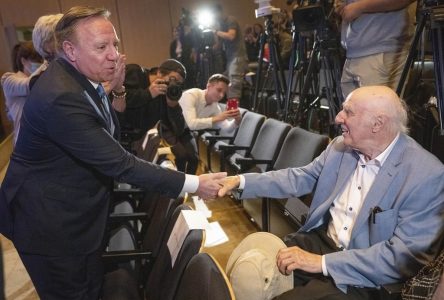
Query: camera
265,9
311,14
174,89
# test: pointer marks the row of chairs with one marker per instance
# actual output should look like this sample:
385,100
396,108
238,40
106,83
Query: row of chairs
137,259
148,273
261,145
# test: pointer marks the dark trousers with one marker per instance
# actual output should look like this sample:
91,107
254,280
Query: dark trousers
309,286
65,277
2,279
185,153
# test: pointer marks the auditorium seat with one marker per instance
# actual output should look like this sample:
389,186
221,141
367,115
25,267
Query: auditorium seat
264,151
204,279
162,282
283,216
245,137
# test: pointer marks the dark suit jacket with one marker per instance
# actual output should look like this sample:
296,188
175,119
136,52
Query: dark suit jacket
54,199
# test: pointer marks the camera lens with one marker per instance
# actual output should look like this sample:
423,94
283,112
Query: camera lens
174,91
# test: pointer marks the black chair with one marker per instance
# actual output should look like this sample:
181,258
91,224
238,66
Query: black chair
283,216
137,255
204,279
202,141
162,281
264,151
245,137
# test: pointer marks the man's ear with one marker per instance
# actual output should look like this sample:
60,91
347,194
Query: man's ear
70,50
379,122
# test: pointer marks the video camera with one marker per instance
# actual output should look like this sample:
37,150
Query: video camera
311,14
265,9
174,89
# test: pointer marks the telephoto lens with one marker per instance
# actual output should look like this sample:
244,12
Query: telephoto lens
174,90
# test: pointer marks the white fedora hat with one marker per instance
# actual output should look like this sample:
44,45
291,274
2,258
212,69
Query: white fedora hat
253,271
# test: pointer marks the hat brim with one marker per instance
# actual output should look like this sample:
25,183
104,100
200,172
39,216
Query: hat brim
258,240
268,244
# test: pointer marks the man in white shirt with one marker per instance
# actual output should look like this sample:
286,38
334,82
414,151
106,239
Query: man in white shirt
201,109
376,214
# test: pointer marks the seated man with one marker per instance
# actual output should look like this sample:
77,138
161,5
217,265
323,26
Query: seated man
201,110
376,215
148,101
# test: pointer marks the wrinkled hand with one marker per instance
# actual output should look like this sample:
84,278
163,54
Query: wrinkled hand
209,185
292,258
228,185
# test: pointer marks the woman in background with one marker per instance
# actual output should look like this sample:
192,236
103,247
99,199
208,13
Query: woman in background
26,62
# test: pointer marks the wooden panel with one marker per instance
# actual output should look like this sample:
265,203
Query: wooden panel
146,30
19,13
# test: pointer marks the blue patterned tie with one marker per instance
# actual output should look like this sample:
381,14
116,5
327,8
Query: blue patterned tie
106,109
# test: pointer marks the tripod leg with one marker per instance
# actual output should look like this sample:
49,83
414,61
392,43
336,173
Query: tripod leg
410,57
259,71
292,69
438,58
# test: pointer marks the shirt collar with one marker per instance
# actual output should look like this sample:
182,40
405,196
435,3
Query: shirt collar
381,158
94,84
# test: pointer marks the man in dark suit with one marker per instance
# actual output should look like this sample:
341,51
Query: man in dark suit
55,197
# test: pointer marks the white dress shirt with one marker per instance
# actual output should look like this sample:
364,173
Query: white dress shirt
198,114
346,206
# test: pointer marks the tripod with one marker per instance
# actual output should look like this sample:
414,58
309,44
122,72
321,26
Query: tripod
321,81
274,67
434,15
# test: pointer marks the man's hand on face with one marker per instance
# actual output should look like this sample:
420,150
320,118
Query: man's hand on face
116,83
209,185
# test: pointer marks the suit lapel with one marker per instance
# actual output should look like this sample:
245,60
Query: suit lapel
91,94
381,185
346,169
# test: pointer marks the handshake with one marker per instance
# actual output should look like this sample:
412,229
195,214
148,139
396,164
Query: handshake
216,185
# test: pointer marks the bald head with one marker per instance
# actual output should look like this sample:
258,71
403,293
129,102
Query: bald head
382,101
371,118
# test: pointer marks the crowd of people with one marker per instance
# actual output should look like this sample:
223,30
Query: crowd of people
378,197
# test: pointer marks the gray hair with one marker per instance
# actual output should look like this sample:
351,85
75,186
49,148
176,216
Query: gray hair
43,34
400,117
65,28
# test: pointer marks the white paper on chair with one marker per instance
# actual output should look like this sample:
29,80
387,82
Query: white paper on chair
215,235
187,220
200,205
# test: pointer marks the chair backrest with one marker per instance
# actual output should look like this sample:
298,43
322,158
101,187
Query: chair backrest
204,279
300,147
248,130
157,229
269,141
163,280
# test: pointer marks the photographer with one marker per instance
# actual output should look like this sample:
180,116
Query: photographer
151,98
230,34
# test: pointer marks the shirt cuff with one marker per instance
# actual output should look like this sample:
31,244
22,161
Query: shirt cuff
241,182
191,184
324,266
